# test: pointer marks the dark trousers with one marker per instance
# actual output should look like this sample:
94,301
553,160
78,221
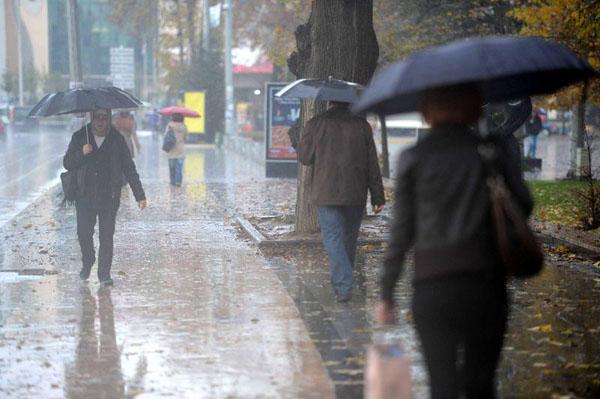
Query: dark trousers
87,213
461,322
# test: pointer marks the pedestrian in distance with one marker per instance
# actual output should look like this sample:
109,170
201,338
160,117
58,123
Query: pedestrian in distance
341,148
442,209
125,124
154,123
533,127
176,154
99,155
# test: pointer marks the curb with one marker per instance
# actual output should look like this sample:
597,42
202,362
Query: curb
575,247
263,242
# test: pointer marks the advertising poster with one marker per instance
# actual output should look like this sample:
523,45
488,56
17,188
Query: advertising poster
282,114
195,100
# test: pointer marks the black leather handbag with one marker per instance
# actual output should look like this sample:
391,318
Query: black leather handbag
169,141
519,250
69,185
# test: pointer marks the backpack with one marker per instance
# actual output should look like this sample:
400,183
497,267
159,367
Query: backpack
169,141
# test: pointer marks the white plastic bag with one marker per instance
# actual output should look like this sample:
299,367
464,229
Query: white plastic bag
387,372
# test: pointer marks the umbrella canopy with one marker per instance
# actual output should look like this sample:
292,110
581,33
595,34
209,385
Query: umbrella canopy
322,89
81,100
503,67
188,113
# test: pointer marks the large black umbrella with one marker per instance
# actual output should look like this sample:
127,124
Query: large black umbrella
322,89
503,67
81,100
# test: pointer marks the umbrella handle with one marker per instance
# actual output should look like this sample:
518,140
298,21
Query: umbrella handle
87,135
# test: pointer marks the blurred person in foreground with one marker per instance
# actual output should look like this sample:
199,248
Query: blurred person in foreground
125,124
341,148
442,210
100,157
176,155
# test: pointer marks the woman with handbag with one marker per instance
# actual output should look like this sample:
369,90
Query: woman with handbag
176,154
442,209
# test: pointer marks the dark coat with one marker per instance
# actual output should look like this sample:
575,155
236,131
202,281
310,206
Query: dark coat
533,126
441,207
121,165
340,145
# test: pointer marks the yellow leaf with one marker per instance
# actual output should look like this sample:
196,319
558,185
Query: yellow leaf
545,328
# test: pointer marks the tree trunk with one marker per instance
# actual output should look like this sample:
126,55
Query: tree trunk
339,41
191,29
578,134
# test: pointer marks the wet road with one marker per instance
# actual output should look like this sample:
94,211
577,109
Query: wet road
197,311
30,163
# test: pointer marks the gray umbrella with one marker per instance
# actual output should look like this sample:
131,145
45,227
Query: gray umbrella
322,89
502,67
80,100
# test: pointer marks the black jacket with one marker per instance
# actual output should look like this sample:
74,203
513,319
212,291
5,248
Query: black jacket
442,207
121,165
340,146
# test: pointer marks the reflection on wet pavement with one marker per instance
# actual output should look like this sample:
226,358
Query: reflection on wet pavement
199,312
195,312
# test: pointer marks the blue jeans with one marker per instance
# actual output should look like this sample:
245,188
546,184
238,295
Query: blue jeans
176,170
339,232
532,146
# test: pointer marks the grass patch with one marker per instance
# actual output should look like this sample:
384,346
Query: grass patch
555,201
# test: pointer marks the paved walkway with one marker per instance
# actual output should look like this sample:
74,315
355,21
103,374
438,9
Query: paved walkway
195,311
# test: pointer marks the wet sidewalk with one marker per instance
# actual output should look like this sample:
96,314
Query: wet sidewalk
199,312
195,311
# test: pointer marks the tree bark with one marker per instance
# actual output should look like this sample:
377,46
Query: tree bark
339,41
578,133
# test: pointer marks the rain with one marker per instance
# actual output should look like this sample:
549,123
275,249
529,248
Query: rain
274,199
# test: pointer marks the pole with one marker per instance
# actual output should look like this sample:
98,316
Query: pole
17,11
229,122
205,26
384,147
76,78
144,91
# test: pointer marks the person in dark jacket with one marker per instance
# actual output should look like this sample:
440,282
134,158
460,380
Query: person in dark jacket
442,210
341,149
533,127
99,155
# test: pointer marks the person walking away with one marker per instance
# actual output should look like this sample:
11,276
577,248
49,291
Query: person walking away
101,158
442,209
125,124
341,148
176,155
533,127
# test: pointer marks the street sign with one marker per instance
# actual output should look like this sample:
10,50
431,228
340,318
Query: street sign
122,67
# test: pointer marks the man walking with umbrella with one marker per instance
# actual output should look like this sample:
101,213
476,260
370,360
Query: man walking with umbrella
341,149
100,157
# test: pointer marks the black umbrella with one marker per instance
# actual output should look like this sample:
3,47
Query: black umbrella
503,67
81,100
322,89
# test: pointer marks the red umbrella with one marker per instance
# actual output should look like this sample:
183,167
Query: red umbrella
170,111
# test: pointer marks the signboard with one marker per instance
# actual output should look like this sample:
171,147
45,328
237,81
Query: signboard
122,67
195,100
281,115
